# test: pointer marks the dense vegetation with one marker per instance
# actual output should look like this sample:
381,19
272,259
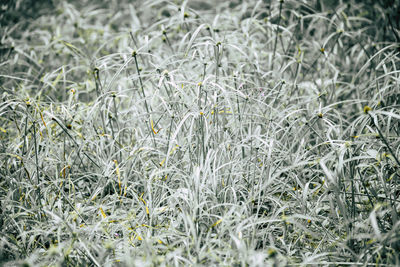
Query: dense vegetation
231,133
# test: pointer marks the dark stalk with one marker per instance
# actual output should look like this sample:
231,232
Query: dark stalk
169,138
98,92
73,140
240,117
114,96
277,33
134,55
37,170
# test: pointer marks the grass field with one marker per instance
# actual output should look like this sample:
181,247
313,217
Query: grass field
200,133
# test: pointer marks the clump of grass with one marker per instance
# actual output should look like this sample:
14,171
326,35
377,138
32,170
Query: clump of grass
187,133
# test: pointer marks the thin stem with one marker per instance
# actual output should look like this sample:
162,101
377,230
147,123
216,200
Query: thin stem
277,33
98,92
37,170
134,54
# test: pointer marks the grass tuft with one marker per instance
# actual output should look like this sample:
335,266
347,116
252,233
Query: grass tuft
174,133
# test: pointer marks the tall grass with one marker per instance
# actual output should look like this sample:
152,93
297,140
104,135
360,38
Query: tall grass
237,133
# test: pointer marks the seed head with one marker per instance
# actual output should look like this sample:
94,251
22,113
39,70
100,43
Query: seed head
367,109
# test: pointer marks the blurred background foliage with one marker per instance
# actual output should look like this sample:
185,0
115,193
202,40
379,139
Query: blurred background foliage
384,14
16,11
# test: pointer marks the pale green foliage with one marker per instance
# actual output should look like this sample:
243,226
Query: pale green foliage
170,133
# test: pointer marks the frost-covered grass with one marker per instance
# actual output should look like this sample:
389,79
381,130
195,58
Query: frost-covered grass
170,133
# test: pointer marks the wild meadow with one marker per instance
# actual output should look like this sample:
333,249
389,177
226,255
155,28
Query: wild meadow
200,133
